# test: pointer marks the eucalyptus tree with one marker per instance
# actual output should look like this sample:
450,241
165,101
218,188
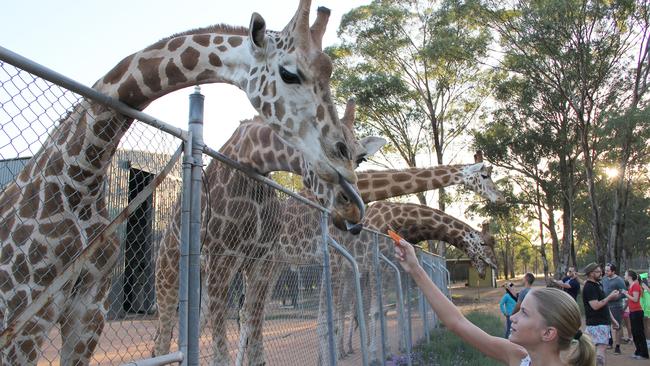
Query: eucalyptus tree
415,70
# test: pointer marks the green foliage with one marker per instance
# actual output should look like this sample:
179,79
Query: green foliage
446,348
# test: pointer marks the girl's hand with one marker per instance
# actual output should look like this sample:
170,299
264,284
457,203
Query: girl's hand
406,255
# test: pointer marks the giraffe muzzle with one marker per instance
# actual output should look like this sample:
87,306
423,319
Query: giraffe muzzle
353,195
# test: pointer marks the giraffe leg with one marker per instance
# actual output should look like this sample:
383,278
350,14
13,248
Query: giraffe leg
260,278
222,272
82,320
167,272
342,307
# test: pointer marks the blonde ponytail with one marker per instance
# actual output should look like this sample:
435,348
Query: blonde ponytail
581,352
561,312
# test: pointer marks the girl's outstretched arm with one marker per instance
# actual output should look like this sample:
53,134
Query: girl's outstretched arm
496,348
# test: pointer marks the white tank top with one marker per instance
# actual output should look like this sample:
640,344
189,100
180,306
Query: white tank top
525,361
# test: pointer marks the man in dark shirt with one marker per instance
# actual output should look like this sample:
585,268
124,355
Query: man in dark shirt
570,283
596,310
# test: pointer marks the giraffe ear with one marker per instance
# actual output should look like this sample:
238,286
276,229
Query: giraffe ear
475,168
257,30
372,144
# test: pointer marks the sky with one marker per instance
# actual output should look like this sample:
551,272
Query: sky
83,40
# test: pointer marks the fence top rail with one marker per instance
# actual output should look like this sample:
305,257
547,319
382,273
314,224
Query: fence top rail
52,76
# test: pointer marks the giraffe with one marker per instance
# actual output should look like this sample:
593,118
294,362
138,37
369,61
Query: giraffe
373,185
382,184
242,219
57,206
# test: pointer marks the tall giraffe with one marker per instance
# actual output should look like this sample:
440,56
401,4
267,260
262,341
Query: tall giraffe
241,223
56,205
373,185
415,223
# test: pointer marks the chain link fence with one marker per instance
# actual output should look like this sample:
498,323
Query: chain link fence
172,252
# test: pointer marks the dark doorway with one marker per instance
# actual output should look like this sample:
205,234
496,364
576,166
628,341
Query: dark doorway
138,249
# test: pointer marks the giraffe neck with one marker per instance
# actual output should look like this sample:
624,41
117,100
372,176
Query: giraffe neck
81,148
256,145
383,184
417,223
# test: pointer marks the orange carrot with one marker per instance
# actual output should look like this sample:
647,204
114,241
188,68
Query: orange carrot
394,236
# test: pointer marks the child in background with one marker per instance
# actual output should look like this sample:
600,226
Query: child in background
507,305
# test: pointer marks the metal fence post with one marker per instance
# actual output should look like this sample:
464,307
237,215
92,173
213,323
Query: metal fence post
183,276
409,336
422,303
361,321
327,282
380,301
194,290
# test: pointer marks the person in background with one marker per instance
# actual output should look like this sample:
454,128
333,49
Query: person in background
547,324
612,281
528,280
626,321
645,304
507,305
596,310
636,315
570,283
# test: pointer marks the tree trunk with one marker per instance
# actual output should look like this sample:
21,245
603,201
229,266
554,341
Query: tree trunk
542,245
596,230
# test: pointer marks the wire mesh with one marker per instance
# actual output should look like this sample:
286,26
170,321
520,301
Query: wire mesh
262,268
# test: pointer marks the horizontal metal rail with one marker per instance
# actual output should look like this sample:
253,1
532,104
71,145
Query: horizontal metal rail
158,361
90,93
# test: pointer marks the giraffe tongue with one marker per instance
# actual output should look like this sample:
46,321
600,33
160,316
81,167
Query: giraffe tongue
353,196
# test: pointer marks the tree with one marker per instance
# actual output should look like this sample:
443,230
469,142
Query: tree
414,69
576,49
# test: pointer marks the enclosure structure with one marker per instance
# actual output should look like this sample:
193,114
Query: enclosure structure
155,173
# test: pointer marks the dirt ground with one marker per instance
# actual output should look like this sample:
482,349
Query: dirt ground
472,299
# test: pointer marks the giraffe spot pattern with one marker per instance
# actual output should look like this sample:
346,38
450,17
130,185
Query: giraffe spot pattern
174,74
214,60
103,129
6,254
190,58
202,39
218,40
151,79
76,141
37,252
21,234
175,44
130,93
206,75
235,41
44,276
20,269
116,74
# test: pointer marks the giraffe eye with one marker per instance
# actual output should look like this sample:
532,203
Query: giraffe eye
289,77
361,160
484,176
343,150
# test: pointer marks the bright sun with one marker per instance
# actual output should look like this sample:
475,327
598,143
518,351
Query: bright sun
611,172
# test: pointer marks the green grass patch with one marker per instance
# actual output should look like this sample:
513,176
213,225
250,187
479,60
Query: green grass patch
446,348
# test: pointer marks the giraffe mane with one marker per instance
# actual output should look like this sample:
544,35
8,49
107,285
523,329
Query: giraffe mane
215,28
414,168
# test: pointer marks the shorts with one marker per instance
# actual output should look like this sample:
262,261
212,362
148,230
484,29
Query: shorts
617,313
599,333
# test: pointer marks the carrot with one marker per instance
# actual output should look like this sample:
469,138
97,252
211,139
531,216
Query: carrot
394,236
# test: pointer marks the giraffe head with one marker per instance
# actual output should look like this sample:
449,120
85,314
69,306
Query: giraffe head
480,249
478,178
346,213
288,82
257,145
